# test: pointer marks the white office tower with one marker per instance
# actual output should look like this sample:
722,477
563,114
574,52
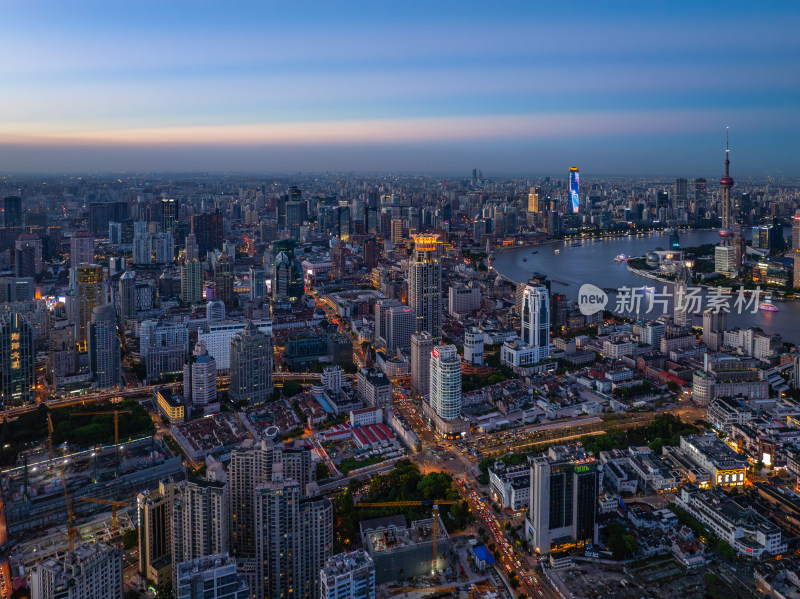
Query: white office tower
421,347
683,280
294,538
714,326
215,311
210,577
725,260
446,382
425,285
333,378
105,360
200,378
348,576
91,571
200,521
563,499
535,329
473,346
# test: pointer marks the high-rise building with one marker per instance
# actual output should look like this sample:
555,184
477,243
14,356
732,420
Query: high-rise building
12,211
155,533
401,323
250,366
574,190
714,325
169,214
700,198
91,571
88,292
421,348
563,499
191,249
796,248
294,539
210,577
725,260
382,308
200,521
348,576
397,231
223,281
533,200
81,249
683,280
473,346
16,360
200,378
535,320
34,244
127,296
208,231
445,381
105,359
425,285
258,284
680,196
191,282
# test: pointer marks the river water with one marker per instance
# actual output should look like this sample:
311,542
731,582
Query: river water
593,262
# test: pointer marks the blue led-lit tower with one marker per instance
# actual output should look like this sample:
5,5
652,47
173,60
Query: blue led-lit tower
574,189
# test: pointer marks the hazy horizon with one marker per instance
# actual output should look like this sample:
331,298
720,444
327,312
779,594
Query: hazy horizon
525,88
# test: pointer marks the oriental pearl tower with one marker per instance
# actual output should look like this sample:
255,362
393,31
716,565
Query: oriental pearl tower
726,232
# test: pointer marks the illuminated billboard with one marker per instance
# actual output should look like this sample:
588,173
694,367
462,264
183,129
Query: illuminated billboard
574,189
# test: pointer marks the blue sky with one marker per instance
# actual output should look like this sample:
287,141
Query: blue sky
508,87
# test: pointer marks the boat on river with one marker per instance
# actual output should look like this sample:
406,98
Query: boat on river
767,305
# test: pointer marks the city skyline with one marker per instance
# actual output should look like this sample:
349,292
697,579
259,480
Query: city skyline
528,90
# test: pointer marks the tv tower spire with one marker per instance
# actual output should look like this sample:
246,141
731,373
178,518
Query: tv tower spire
726,183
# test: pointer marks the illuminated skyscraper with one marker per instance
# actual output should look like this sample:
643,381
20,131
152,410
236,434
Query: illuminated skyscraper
425,285
16,360
574,189
87,293
533,200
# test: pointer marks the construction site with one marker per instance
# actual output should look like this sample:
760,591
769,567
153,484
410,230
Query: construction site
54,486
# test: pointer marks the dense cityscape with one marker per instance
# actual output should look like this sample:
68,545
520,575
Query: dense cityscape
203,377
435,300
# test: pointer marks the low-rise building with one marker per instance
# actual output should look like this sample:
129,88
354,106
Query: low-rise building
750,534
510,485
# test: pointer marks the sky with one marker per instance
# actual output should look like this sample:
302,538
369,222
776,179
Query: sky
511,88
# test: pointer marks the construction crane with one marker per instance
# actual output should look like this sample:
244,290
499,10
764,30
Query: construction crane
50,441
71,533
114,506
434,503
116,414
